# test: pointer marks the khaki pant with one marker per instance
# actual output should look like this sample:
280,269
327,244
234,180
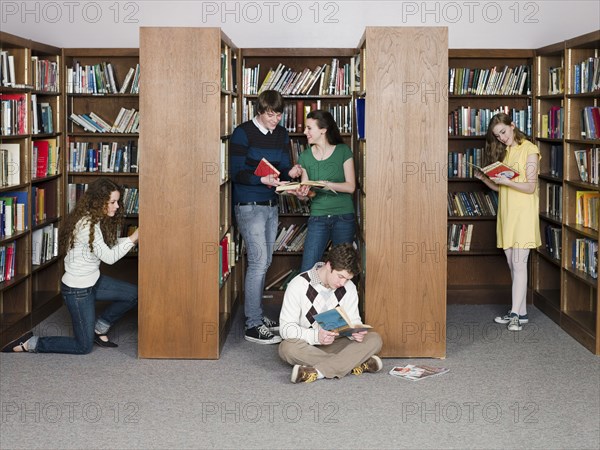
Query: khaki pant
335,360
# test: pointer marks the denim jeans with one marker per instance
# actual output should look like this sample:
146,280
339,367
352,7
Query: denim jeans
258,226
81,304
321,229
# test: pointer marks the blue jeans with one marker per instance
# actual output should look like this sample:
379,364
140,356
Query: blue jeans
81,304
321,229
258,226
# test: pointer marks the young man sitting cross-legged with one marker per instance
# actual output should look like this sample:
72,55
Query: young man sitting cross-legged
315,352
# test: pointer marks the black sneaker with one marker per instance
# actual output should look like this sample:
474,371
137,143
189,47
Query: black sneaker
261,335
272,325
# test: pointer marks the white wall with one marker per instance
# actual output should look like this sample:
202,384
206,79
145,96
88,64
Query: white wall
472,24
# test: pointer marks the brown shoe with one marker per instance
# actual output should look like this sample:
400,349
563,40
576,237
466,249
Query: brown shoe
303,374
371,365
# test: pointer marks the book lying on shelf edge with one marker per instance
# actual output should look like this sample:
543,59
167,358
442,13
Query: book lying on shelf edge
296,184
417,372
497,169
337,320
265,168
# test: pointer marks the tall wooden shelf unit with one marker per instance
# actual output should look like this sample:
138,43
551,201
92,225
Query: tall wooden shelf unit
565,293
403,225
296,59
33,291
481,274
185,311
80,141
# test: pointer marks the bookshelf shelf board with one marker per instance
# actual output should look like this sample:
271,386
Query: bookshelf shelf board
37,268
550,178
487,97
583,277
550,97
551,218
471,218
585,231
17,279
548,257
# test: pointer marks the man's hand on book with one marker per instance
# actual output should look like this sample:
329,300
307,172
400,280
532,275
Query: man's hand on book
326,337
358,337
271,180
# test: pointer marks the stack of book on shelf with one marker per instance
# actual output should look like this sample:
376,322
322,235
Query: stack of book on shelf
227,255
586,208
42,119
130,200
588,164
44,244
127,121
10,164
556,80
458,162
7,69
13,213
106,157
590,122
291,238
459,237
472,203
470,121
586,76
100,79
45,155
585,256
554,200
281,281
8,254
556,161
44,75
14,114
553,123
493,81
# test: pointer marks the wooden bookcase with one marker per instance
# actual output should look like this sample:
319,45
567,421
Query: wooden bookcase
185,305
481,274
291,211
403,193
84,159
567,293
32,291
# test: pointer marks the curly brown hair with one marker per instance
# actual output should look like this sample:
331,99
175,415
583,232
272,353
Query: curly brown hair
92,205
344,257
494,149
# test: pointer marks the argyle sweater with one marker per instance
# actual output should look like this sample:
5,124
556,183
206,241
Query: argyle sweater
306,297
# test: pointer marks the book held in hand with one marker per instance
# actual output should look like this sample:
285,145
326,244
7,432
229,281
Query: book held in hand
417,372
296,184
337,320
497,169
265,168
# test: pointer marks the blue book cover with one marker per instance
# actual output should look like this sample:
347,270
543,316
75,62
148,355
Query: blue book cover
337,320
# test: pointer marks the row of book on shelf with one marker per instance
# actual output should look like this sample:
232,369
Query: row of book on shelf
101,79
335,78
492,81
469,121
553,241
460,164
44,73
105,157
14,207
472,203
45,155
554,201
584,256
127,121
586,208
44,244
588,164
14,115
586,75
459,237
8,258
129,199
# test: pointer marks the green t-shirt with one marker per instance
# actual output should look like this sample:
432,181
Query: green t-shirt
332,169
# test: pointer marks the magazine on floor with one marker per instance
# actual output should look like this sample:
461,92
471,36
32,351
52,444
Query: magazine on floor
417,372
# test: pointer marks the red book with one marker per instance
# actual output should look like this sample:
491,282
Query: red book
299,116
265,168
498,169
41,169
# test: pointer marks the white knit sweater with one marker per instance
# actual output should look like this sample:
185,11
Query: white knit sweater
82,267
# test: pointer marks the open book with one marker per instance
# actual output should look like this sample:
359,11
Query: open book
296,184
337,320
497,169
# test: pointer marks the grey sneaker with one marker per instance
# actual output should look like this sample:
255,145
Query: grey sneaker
514,324
261,335
506,318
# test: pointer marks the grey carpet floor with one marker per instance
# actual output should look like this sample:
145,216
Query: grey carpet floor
535,389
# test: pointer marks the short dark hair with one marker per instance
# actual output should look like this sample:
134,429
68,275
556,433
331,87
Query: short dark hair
343,257
269,101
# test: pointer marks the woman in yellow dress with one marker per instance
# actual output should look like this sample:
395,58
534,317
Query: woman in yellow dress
517,229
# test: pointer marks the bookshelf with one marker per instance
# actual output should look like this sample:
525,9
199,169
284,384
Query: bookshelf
186,301
402,189
565,287
475,94
30,140
102,84
259,65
